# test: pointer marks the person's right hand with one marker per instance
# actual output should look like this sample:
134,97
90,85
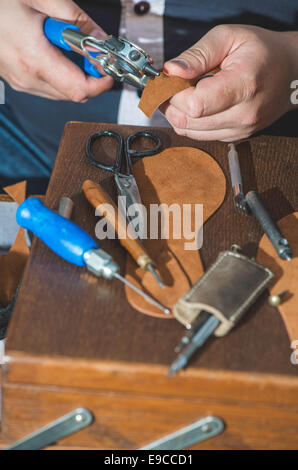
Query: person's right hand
30,63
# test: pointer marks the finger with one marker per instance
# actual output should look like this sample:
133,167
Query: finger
68,79
96,86
205,55
211,95
41,94
49,94
34,86
45,91
66,10
232,118
226,135
40,88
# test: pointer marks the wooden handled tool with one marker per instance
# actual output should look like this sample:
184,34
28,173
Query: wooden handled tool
96,195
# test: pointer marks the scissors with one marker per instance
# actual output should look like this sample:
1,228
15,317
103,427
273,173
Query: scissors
126,184
122,168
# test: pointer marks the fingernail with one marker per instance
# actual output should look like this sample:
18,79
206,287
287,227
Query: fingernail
98,33
182,63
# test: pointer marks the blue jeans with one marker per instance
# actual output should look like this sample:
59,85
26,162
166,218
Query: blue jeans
31,128
20,157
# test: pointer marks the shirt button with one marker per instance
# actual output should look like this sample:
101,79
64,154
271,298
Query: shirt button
141,8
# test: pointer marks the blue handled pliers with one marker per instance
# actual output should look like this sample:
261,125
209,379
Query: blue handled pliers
117,56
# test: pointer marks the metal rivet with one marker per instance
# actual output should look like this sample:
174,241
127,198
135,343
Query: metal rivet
236,248
275,299
206,428
79,418
134,55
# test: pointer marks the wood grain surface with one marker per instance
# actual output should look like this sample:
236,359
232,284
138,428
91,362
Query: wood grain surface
97,196
75,341
64,311
129,422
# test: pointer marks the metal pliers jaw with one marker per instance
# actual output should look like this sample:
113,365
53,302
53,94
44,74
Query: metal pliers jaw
120,58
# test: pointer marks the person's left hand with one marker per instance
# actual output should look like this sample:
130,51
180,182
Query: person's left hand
250,92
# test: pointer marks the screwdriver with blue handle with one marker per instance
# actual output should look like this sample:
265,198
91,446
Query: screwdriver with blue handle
72,243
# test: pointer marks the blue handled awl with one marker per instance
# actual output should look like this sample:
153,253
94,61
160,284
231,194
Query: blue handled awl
72,243
117,56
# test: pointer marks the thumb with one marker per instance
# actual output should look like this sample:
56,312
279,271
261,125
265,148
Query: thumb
203,56
67,10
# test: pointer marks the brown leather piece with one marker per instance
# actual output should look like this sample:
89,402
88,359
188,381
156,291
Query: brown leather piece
13,263
286,272
227,290
179,175
162,88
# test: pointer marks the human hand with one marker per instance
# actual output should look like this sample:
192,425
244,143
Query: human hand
251,91
29,63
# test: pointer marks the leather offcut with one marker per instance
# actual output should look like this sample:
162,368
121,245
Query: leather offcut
179,175
13,263
286,272
162,88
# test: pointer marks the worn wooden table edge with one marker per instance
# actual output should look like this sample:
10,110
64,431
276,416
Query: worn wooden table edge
133,378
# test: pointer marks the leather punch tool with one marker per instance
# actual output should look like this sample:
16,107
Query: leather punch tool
118,57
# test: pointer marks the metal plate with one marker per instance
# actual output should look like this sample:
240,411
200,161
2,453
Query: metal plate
197,432
62,427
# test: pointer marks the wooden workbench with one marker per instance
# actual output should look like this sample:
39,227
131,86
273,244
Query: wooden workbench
75,341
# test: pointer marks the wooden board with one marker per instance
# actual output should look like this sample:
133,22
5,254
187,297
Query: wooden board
78,334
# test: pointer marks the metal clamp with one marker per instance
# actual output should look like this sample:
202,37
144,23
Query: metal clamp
53,432
120,58
197,432
81,418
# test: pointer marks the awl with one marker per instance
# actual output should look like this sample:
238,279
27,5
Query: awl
268,224
236,180
97,196
72,243
208,323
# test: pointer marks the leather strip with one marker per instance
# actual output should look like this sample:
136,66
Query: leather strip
179,175
286,272
13,263
162,88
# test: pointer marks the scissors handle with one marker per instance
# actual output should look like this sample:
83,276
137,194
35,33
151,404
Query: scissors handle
136,154
98,135
127,152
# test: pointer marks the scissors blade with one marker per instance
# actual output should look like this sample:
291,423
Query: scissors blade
127,187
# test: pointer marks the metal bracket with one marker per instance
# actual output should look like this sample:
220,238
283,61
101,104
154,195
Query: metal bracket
186,437
81,418
53,432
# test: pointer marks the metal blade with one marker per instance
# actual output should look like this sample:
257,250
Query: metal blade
53,432
150,299
185,437
127,187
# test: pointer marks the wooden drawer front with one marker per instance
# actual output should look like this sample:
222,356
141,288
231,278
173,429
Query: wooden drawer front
124,421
